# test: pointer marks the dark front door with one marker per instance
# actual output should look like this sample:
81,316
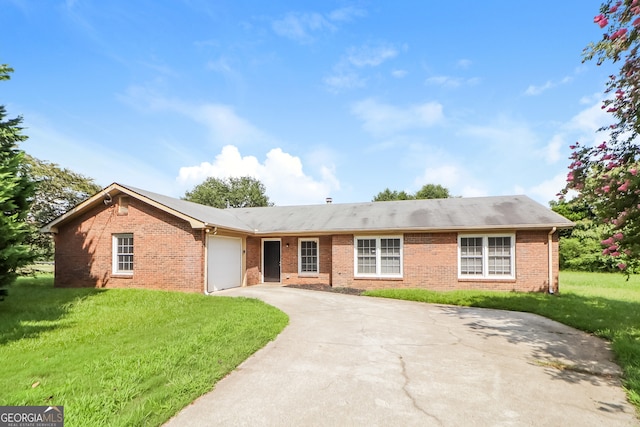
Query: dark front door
271,260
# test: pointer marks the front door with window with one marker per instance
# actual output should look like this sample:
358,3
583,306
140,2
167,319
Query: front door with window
271,260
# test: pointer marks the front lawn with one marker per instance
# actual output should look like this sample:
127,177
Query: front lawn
122,357
604,304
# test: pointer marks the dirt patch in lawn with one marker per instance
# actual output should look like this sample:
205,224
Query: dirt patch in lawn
326,288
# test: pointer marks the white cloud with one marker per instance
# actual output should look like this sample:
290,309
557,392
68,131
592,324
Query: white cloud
398,74
547,190
551,152
464,63
503,134
346,73
453,177
371,56
533,90
346,14
451,82
300,27
281,173
224,124
342,80
383,119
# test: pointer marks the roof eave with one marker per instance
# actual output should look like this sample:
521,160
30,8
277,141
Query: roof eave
416,229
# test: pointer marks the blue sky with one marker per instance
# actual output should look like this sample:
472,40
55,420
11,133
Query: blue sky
314,98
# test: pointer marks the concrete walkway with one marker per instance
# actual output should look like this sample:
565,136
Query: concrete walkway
358,361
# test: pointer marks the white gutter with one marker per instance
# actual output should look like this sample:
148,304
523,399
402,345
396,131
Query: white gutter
553,230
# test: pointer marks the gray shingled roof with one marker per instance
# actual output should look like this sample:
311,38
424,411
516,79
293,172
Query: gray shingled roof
216,217
503,212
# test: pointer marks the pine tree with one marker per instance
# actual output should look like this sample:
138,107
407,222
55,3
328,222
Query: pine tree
16,190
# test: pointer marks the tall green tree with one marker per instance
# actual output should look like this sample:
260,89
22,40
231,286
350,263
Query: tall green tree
428,191
243,192
57,190
16,190
388,195
432,191
580,247
606,176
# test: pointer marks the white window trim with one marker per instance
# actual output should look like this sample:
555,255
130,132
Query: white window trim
485,257
378,274
114,257
308,273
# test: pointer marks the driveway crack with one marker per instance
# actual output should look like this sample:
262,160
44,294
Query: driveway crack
408,393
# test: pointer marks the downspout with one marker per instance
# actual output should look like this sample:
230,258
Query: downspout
553,230
206,261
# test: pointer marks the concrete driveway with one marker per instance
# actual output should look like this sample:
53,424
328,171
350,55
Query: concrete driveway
358,361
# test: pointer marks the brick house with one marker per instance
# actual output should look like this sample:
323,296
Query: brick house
128,237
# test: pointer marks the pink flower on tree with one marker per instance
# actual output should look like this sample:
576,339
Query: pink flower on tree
620,33
618,236
608,241
624,187
622,266
601,20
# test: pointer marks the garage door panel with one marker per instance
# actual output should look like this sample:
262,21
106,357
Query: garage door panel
224,264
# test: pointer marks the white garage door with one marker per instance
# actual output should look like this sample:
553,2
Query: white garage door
224,264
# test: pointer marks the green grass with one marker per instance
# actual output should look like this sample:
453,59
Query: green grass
122,357
606,305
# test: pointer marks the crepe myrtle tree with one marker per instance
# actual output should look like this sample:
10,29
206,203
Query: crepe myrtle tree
606,175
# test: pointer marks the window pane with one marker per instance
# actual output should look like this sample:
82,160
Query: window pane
308,256
499,255
390,256
471,255
124,248
366,251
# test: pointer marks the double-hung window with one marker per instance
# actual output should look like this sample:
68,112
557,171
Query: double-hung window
308,257
123,253
491,256
378,256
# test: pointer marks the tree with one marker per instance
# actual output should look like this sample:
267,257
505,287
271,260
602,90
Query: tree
57,190
579,247
387,195
243,192
428,191
606,176
16,190
432,191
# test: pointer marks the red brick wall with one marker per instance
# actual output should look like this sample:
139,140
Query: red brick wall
289,261
168,253
253,260
431,262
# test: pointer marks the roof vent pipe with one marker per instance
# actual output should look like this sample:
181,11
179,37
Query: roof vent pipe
329,200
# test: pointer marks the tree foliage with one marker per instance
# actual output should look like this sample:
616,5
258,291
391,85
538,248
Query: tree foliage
606,176
243,192
57,190
580,248
428,191
16,190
